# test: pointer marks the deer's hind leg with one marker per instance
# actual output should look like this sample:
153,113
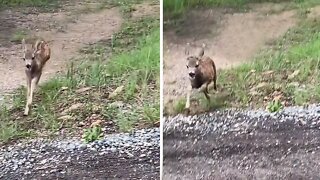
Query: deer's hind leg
212,84
206,91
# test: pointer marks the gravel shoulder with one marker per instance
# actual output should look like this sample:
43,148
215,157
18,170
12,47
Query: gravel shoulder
118,156
243,144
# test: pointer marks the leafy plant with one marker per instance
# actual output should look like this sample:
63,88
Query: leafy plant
92,134
274,106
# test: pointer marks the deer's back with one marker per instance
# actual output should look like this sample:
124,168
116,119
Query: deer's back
45,51
208,68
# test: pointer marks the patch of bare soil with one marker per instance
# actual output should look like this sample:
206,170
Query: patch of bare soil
230,38
314,12
146,9
66,31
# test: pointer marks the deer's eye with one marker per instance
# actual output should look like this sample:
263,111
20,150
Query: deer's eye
24,59
197,65
32,58
187,66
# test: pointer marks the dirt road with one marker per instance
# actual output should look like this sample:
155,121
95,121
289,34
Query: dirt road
243,145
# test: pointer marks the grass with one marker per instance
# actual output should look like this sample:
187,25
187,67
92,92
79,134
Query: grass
92,134
81,96
274,106
176,8
19,35
28,3
289,71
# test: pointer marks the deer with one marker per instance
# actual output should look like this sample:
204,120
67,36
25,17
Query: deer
202,74
35,58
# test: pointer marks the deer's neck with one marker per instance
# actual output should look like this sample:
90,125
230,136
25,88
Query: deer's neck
197,81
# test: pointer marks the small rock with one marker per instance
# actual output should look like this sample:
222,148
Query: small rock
65,118
83,90
142,155
96,123
117,104
294,74
116,92
72,108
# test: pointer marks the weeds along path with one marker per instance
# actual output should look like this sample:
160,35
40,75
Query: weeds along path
67,31
231,38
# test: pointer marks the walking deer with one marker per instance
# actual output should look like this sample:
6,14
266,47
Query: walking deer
35,58
202,74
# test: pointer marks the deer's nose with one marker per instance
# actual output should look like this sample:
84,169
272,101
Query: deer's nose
192,74
28,66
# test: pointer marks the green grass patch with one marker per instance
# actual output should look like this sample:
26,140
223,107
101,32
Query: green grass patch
18,36
274,106
28,3
92,134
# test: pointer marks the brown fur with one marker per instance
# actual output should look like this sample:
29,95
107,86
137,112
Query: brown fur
35,58
202,73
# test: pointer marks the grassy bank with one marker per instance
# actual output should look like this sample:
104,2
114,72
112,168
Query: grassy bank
115,84
290,71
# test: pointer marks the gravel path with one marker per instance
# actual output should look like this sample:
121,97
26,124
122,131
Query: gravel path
118,156
251,144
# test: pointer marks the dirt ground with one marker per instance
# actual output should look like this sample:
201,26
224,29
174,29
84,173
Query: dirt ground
231,38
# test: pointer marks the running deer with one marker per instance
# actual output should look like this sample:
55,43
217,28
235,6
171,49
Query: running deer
35,58
202,74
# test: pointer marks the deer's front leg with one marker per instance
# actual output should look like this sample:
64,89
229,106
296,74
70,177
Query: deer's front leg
26,110
188,97
33,84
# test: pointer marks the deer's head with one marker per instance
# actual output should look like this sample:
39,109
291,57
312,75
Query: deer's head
30,53
193,63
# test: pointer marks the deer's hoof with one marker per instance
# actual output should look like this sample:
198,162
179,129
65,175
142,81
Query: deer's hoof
187,111
26,113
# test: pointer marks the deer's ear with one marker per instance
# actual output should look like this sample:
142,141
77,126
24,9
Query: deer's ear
201,53
37,48
186,52
187,49
23,43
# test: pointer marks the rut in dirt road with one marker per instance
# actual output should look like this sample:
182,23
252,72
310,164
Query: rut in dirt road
244,145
